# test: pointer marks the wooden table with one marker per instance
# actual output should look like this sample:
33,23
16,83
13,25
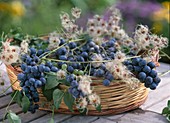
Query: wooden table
149,112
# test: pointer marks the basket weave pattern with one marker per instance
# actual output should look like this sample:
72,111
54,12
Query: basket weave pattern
116,98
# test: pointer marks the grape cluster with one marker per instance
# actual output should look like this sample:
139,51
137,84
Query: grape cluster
33,75
74,86
144,71
77,55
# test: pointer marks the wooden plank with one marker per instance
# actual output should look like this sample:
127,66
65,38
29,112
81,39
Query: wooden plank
164,67
115,118
142,117
28,117
158,95
15,108
102,120
5,94
159,106
4,101
57,117
81,119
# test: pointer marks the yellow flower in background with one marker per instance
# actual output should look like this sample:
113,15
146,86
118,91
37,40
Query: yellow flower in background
15,8
163,13
157,27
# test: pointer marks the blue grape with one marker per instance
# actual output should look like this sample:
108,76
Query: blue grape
135,61
62,41
23,67
47,69
106,82
137,68
151,65
80,58
49,64
63,57
147,69
38,83
61,51
142,62
32,50
92,44
109,77
126,63
40,52
72,45
75,92
112,55
142,76
130,67
43,80
21,76
149,80
34,69
70,69
28,60
100,73
153,73
41,67
54,69
70,78
157,80
74,83
32,80
153,86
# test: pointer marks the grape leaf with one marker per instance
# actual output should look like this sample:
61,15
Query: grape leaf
51,82
69,100
25,104
18,97
98,108
57,97
13,118
168,103
48,93
165,110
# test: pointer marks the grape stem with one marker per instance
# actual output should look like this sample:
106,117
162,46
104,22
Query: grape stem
60,47
2,92
164,54
87,61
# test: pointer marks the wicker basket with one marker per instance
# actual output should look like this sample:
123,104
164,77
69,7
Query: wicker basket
116,98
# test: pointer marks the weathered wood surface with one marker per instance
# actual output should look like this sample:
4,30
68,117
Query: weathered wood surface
149,112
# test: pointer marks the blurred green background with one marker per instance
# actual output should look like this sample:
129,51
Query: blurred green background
42,16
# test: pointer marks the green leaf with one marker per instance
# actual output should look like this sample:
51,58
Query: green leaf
25,104
83,111
18,97
51,120
168,118
13,118
51,82
48,93
69,100
99,108
165,110
57,97
168,103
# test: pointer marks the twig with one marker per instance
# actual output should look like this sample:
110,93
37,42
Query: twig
164,73
165,54
8,87
9,105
